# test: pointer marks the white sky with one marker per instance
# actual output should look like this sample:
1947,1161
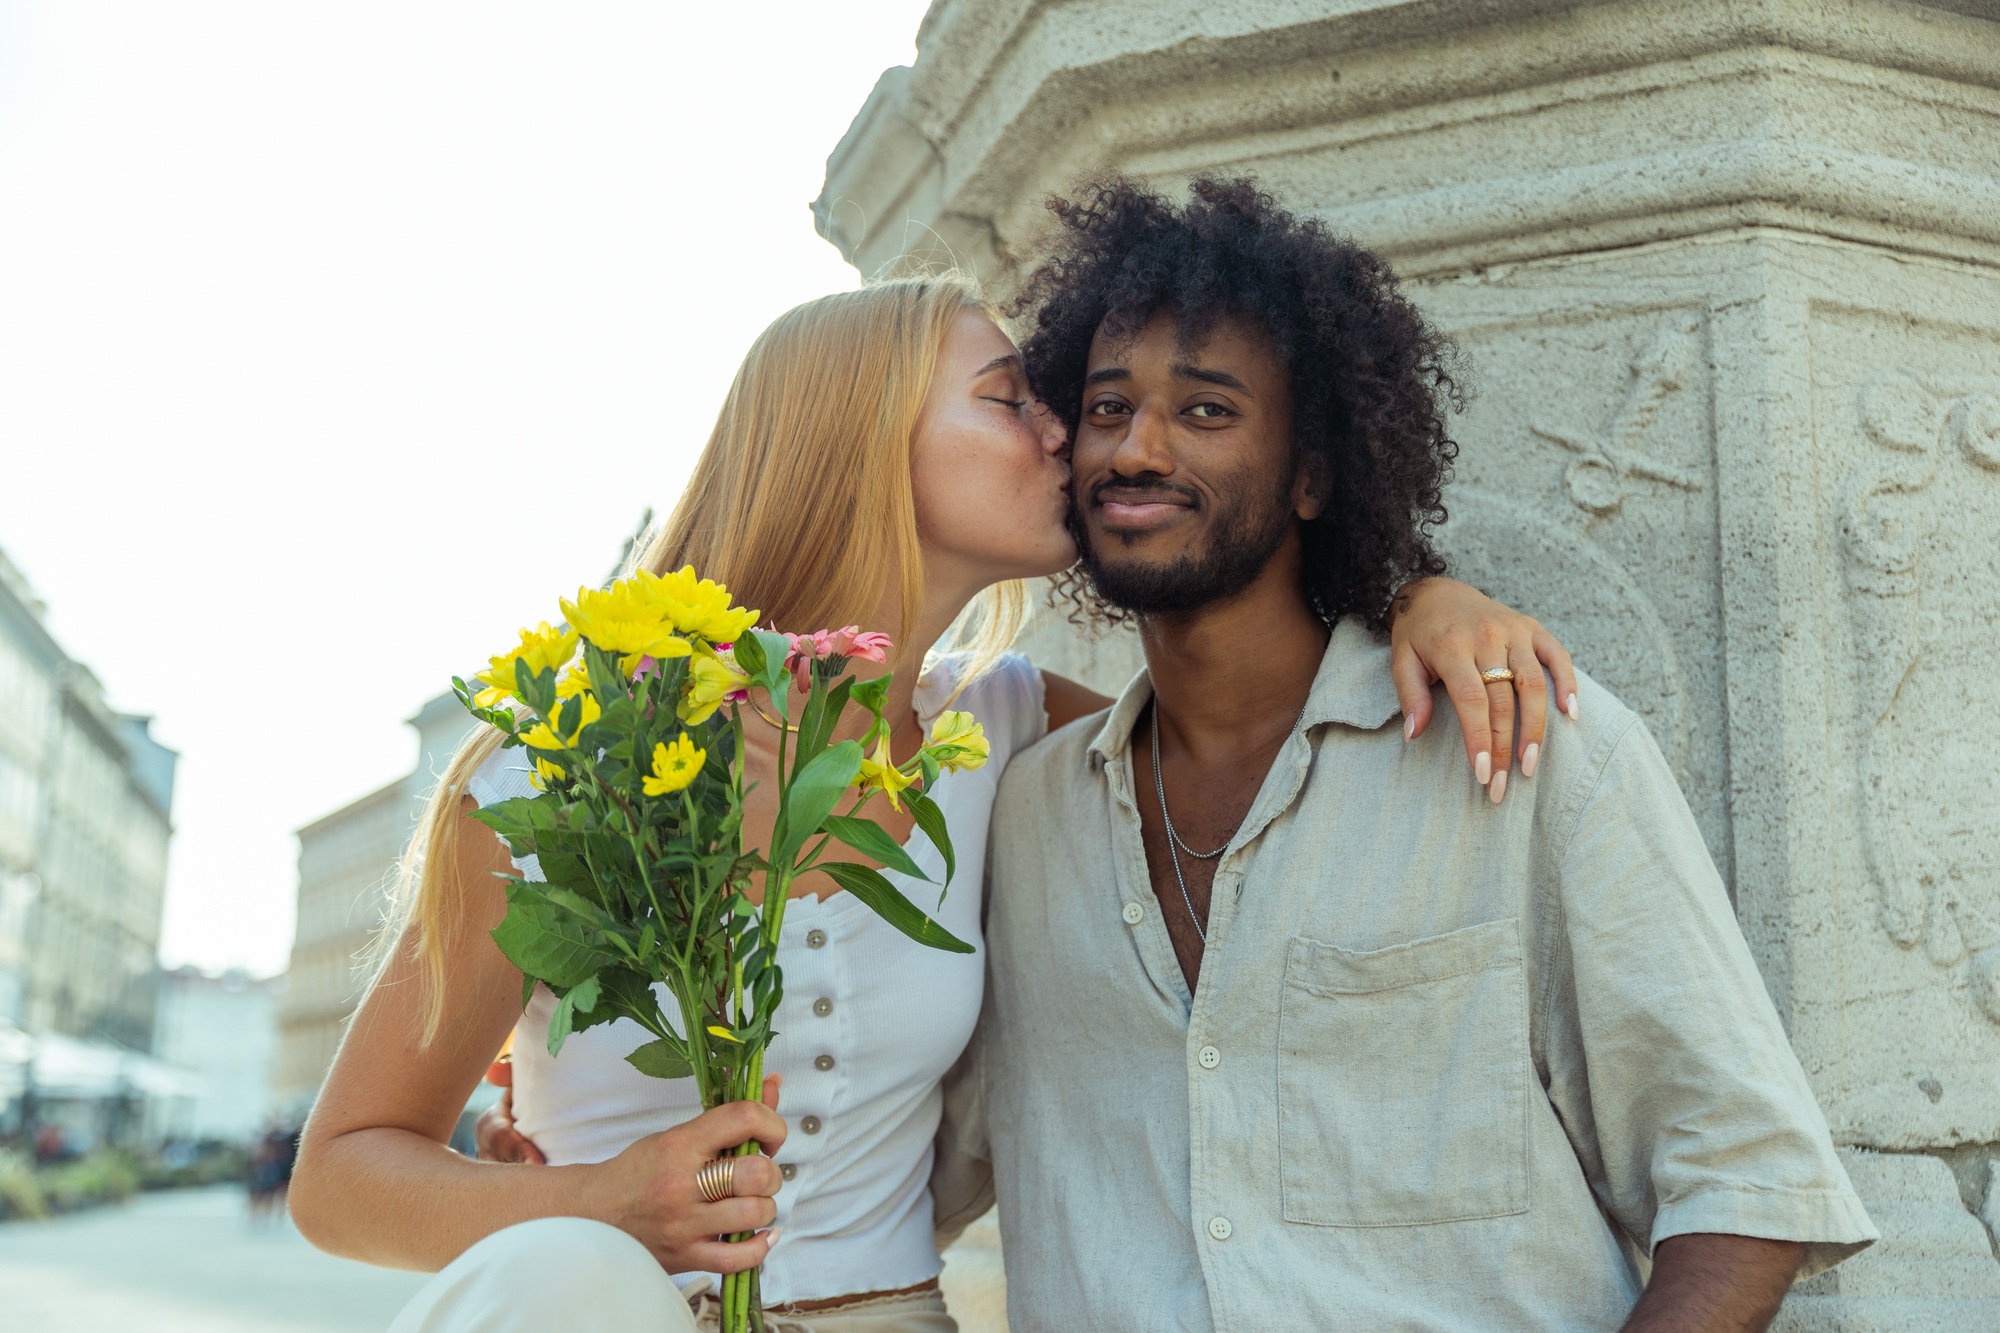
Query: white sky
336,340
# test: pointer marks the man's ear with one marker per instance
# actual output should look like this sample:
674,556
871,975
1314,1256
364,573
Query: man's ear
1310,488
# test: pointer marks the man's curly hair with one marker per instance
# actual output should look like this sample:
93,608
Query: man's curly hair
1369,377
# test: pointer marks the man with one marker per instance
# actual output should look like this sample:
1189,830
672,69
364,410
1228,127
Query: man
1288,1026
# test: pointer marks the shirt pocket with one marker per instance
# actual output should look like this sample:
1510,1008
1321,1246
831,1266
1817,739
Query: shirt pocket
1402,1080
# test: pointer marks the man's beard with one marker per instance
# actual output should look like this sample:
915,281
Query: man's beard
1242,536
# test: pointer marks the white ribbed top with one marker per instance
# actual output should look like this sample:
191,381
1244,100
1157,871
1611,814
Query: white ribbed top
857,1211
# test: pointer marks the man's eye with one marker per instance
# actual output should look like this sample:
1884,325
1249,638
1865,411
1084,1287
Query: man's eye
1209,411
1106,409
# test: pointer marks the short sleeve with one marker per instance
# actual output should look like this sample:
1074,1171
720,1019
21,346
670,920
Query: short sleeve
504,776
1007,700
1666,1060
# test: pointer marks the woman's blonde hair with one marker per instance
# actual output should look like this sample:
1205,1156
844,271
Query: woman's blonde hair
801,503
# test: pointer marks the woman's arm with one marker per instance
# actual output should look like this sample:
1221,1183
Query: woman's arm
1065,701
1441,629
376,1182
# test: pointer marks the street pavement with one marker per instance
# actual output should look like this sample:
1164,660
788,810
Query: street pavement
185,1261
192,1261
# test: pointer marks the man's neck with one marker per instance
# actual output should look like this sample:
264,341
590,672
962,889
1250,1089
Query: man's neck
1232,676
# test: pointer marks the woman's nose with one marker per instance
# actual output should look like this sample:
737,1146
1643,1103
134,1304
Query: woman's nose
1055,435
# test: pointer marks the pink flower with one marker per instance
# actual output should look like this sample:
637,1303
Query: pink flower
822,644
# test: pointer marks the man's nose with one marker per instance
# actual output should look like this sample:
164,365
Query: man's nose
1143,449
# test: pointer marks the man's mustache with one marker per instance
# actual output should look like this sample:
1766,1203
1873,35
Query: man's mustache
1137,488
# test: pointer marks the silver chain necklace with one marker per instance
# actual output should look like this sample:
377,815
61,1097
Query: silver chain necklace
1174,844
1173,838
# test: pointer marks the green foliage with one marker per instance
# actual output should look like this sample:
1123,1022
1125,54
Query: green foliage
646,891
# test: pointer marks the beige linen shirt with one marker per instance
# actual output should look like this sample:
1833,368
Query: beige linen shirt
1442,1060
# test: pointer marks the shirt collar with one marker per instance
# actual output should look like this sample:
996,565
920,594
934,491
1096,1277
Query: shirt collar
1352,686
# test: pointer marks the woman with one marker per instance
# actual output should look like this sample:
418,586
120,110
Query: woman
879,461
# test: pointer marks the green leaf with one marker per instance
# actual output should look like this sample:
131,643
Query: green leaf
870,693
812,796
750,656
583,997
560,1022
931,820
816,724
606,682
871,839
881,896
664,1058
547,942
773,649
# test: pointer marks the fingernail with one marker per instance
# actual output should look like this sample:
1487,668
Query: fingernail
1499,787
1409,727
1528,758
773,1234
1482,767
1570,707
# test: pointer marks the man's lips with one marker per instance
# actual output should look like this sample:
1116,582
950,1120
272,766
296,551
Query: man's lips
1134,511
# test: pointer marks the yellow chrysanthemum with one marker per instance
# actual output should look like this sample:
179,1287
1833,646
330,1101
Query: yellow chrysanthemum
574,681
625,619
545,773
696,606
957,741
710,681
880,772
543,735
540,647
674,766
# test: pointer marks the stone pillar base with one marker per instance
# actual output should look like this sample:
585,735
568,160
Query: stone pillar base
1933,1268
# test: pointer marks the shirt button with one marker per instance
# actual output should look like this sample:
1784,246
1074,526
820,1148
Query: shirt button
1209,1057
822,1006
822,1063
815,938
788,1171
811,1126
1219,1228
1134,914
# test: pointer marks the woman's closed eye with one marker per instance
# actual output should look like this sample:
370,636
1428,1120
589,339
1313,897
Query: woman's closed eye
1015,404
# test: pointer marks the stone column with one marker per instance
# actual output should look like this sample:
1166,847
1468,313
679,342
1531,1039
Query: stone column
1727,274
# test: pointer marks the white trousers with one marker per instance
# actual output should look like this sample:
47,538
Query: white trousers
580,1276
565,1273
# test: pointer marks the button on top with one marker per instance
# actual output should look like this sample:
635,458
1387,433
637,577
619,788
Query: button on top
811,1126
815,938
822,1063
1209,1057
822,1006
788,1171
1219,1228
1134,914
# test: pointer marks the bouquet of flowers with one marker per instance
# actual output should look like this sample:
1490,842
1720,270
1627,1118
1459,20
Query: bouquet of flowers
631,717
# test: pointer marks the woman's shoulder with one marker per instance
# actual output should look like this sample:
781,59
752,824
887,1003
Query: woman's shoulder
1006,698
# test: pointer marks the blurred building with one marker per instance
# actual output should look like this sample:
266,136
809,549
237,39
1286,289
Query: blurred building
85,795
223,1030
347,861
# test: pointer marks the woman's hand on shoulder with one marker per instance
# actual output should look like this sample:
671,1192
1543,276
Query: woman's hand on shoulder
1065,701
1444,630
649,1192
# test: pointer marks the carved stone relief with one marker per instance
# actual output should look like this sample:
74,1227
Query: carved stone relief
1932,436
1608,459
1608,537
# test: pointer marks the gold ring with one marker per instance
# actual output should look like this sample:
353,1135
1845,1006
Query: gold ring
1499,675
716,1180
